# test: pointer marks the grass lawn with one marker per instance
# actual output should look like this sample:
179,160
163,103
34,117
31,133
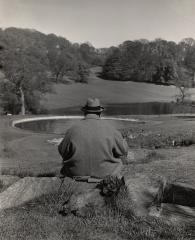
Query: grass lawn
31,153
25,152
108,91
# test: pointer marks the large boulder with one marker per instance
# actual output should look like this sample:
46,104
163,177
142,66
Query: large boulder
174,202
176,193
27,189
141,195
6,181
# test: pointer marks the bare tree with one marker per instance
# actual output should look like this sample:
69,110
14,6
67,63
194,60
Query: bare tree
182,84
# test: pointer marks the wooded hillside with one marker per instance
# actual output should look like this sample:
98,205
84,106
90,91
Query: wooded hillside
31,61
159,61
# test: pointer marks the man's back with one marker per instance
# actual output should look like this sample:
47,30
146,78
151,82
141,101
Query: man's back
92,148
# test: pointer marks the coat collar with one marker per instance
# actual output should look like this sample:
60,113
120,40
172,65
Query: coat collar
92,116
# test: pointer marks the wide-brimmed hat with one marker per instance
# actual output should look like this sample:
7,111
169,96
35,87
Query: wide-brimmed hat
92,106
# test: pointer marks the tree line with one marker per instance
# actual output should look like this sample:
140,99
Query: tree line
32,61
158,61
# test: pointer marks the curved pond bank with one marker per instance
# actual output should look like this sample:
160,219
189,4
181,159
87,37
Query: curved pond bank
58,124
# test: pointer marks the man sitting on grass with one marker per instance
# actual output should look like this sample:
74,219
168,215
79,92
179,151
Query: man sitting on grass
92,148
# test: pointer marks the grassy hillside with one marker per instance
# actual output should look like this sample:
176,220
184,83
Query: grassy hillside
108,92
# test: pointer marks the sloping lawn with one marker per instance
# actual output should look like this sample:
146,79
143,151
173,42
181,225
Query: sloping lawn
108,91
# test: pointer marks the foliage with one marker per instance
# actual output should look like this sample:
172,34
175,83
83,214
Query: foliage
91,55
25,72
61,61
159,61
33,61
83,73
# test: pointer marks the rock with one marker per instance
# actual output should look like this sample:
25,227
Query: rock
55,141
141,196
27,189
174,213
174,202
6,181
176,193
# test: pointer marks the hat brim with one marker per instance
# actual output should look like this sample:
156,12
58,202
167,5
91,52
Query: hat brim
98,109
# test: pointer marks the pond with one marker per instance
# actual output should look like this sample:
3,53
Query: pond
59,125
147,108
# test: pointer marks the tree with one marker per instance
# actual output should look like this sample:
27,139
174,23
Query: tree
112,66
25,80
83,73
60,55
60,64
154,62
182,84
1,49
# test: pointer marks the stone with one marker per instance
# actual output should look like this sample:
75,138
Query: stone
174,202
55,141
141,195
174,213
176,193
7,180
27,189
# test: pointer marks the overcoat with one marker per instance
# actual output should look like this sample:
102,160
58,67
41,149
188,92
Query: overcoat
92,147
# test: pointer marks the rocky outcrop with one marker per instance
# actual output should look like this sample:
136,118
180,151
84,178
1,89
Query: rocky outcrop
174,202
27,189
6,181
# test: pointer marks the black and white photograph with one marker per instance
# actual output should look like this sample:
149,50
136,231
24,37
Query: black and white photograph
97,120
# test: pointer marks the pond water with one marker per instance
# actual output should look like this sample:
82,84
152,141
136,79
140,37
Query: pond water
148,108
59,126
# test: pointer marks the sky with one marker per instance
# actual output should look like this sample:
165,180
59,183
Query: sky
103,23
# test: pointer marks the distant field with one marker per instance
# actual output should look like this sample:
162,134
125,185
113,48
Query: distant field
108,91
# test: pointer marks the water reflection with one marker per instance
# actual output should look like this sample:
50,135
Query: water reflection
150,108
59,126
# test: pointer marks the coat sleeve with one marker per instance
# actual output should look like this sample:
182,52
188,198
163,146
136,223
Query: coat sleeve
120,146
66,148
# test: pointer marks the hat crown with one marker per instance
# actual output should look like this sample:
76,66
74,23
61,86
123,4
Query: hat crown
93,106
93,102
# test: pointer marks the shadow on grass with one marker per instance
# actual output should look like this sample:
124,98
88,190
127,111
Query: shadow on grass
25,173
